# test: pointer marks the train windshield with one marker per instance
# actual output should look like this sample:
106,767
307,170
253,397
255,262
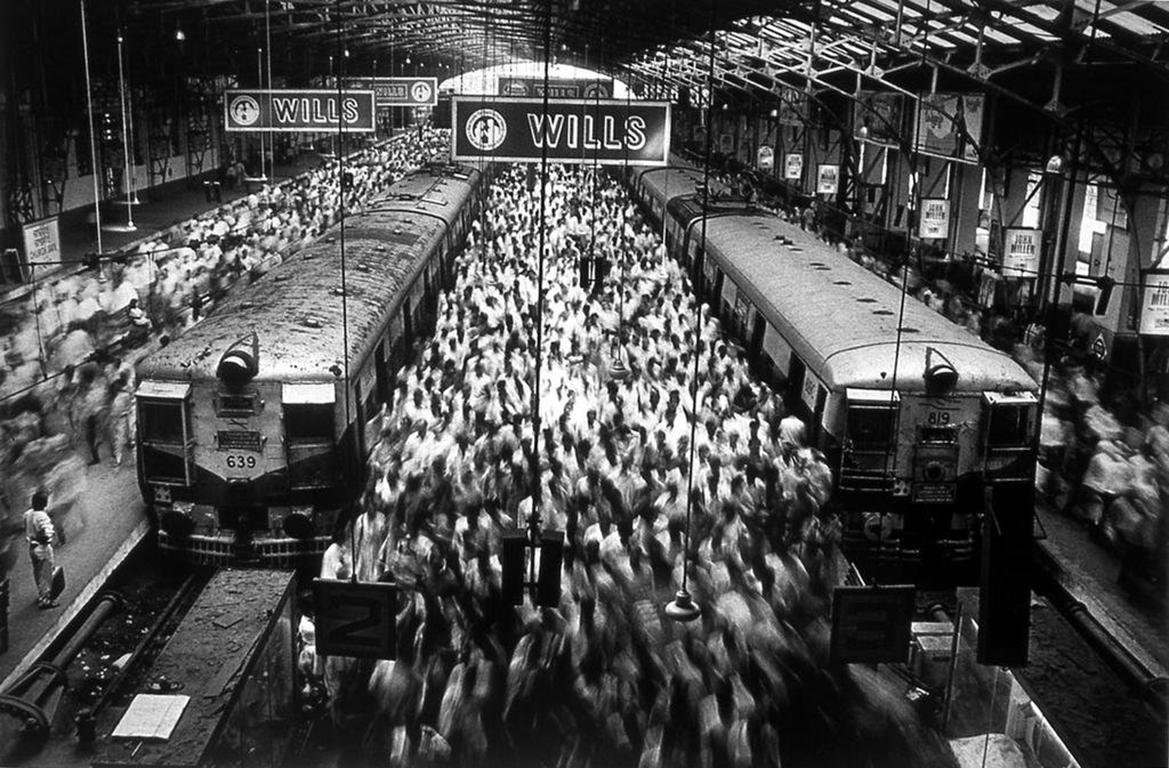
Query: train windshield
162,412
309,422
161,421
1009,426
870,426
1010,419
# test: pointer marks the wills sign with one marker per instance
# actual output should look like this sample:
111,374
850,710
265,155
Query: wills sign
398,91
571,131
293,110
557,89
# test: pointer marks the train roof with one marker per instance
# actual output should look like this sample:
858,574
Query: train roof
296,309
678,179
842,319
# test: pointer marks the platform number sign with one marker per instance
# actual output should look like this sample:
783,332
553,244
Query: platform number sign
871,624
355,618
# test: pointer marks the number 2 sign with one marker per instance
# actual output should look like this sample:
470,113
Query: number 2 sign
355,618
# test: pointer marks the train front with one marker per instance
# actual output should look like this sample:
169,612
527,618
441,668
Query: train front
238,467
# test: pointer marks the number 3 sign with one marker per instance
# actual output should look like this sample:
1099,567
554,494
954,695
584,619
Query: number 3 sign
355,618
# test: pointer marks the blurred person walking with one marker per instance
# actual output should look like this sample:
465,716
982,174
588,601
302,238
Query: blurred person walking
121,411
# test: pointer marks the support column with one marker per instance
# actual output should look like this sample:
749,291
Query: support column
1146,228
898,180
1014,197
964,207
1068,250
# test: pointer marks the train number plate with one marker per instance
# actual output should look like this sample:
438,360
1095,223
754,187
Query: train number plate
239,440
934,493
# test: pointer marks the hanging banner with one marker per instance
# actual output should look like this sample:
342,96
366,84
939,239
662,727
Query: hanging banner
398,91
296,110
937,131
557,89
973,108
1021,256
765,158
614,132
42,243
828,179
935,218
1155,303
793,166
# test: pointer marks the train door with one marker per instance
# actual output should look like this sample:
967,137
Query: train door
309,413
755,346
795,378
165,436
384,385
408,322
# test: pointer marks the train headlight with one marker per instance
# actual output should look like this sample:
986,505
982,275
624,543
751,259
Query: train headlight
934,471
178,521
940,374
299,523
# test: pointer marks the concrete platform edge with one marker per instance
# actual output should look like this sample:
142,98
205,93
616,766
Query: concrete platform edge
1066,574
78,605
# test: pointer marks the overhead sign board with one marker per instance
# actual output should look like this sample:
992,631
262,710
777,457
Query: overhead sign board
1155,303
42,243
516,130
398,91
298,110
355,618
871,624
557,89
828,180
765,158
793,166
935,218
1021,255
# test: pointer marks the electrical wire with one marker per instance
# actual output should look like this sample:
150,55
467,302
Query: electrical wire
338,72
697,299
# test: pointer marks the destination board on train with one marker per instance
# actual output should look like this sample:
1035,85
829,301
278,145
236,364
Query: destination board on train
563,130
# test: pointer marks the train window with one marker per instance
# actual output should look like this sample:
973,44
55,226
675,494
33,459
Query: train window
161,421
1008,426
308,422
871,420
1009,419
867,427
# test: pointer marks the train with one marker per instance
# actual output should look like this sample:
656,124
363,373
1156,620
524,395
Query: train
930,432
254,425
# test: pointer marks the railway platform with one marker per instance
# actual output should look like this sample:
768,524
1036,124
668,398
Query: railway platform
160,208
1136,620
103,527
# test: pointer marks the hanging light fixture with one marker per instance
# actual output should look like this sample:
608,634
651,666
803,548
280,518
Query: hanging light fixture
92,136
683,607
129,226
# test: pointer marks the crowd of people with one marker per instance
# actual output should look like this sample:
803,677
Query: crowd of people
66,391
1106,465
653,450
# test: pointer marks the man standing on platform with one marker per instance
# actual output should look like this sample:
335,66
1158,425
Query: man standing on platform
38,529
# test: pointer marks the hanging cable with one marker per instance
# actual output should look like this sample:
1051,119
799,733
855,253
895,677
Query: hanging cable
536,416
338,71
268,49
683,607
93,163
